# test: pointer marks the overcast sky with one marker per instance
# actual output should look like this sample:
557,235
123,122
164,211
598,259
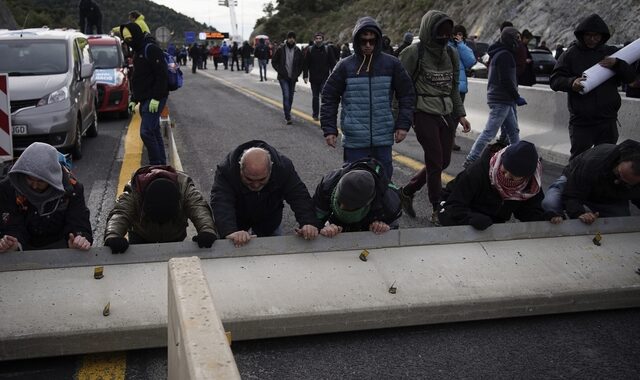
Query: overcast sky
209,12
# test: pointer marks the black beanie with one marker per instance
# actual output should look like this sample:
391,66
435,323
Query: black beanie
520,159
355,189
291,35
160,202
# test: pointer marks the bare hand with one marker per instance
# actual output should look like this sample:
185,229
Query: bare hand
556,220
577,85
588,217
331,140
608,62
466,126
378,227
308,232
8,243
240,238
400,135
331,230
78,242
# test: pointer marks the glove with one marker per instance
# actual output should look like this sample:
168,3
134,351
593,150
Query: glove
153,105
480,221
132,107
520,101
117,244
204,239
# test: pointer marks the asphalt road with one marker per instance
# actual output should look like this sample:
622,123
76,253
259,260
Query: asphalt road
218,110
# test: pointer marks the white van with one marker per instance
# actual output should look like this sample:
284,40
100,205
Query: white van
53,99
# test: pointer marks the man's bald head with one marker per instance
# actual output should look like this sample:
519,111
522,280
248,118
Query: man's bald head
255,168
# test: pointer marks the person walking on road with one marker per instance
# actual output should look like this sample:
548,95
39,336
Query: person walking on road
149,86
364,84
262,55
434,66
194,53
248,192
224,54
246,51
287,61
316,67
467,60
154,208
593,116
235,53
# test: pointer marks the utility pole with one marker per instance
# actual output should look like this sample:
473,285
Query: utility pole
232,4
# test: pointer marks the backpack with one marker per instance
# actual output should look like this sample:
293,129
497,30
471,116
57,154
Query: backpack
174,74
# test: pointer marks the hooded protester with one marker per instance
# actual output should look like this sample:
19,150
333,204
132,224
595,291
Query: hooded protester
358,197
154,208
42,204
434,67
407,40
502,94
503,182
149,87
386,45
593,116
364,84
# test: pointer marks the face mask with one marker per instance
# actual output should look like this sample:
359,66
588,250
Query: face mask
442,40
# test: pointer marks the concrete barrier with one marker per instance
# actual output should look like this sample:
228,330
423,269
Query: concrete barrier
58,311
198,348
545,119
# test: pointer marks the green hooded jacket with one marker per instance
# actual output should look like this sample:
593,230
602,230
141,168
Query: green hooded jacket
436,80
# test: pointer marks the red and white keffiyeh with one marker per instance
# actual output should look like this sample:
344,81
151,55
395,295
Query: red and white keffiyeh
509,189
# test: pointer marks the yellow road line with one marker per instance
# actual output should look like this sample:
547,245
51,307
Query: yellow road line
132,152
399,158
110,366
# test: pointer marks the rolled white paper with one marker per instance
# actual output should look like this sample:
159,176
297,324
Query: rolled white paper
596,75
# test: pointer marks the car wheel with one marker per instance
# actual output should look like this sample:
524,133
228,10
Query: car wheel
92,131
76,151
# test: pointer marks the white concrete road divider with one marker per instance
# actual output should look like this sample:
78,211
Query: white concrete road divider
58,311
544,121
198,347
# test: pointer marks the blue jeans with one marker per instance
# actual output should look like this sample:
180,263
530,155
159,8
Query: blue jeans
247,62
316,89
500,115
262,64
380,153
553,202
288,87
151,134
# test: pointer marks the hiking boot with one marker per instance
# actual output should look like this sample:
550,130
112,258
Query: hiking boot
434,219
406,201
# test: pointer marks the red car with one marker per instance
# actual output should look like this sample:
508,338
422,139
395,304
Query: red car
110,75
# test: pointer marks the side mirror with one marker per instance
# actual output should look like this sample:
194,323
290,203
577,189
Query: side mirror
86,70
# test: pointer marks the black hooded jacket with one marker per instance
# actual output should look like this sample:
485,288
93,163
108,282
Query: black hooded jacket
150,80
603,102
236,207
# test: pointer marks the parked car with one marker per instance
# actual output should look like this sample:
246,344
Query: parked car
543,64
53,99
110,75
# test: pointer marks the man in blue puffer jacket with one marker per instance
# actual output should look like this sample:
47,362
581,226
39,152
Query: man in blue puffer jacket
365,83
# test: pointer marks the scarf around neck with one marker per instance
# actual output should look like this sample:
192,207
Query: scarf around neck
511,190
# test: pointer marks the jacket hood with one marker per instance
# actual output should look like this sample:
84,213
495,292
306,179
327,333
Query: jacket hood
429,25
147,174
593,23
366,23
137,41
509,39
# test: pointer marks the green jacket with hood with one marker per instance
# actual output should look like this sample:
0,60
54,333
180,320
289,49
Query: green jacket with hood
436,80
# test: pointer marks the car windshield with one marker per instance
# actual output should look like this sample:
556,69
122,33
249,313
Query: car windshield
543,57
105,56
33,57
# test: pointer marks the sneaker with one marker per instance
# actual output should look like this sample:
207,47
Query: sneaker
406,201
315,118
434,219
289,122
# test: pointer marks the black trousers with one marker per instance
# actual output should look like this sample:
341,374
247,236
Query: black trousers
583,137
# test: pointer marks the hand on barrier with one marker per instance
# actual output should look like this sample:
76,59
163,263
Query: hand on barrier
117,244
480,221
132,107
240,238
589,217
330,230
205,239
308,232
8,243
78,241
379,227
520,101
153,105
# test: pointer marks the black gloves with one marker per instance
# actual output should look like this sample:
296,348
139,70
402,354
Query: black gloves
117,244
204,239
480,221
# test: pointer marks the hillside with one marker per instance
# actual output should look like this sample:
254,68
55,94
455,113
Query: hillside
64,13
553,20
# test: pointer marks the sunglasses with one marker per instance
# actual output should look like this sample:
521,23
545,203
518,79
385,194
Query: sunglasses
367,41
